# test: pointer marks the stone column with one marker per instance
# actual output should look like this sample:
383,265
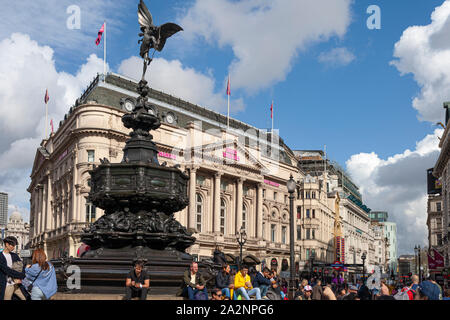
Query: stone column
259,212
49,211
217,201
192,198
239,195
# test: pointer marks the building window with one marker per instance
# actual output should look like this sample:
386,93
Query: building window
91,212
275,196
223,210
314,213
199,212
438,206
200,180
223,186
91,155
264,230
264,193
308,234
307,254
313,233
244,216
299,233
439,239
308,214
308,195
272,232
283,235
299,212
313,195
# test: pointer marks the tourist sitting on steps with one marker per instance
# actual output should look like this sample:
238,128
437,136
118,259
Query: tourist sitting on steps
193,285
243,285
138,282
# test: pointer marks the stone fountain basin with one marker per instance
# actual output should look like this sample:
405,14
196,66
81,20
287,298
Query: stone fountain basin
139,186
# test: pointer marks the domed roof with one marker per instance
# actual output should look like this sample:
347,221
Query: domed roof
15,216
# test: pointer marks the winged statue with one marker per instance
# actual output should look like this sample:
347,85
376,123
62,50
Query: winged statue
153,37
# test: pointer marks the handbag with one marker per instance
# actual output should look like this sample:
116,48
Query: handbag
30,287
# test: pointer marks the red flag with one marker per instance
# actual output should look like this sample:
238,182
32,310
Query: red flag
271,111
46,98
100,33
229,87
51,124
431,263
438,259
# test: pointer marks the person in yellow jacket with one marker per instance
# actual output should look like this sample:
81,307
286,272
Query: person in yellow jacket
243,285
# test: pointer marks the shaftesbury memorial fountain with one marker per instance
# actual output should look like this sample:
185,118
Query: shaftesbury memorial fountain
139,198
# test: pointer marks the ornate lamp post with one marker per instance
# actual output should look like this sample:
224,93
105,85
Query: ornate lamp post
291,186
241,238
417,250
363,258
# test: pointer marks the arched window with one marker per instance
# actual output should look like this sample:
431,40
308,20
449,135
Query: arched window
199,212
244,216
223,211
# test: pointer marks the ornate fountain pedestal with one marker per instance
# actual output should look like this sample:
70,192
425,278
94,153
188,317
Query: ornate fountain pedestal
139,197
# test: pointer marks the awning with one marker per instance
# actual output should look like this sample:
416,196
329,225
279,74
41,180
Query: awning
251,259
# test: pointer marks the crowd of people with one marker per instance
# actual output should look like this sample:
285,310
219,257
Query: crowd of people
35,281
249,284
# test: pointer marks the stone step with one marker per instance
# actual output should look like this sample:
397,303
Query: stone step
98,297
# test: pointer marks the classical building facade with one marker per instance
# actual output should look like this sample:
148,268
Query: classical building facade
238,178
237,175
442,172
18,228
435,222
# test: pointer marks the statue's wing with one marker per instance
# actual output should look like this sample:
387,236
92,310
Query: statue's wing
166,31
145,17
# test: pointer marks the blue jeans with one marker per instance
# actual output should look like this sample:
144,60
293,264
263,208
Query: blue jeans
263,288
246,294
226,292
191,292
37,294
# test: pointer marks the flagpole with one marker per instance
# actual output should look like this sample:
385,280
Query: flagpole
272,117
104,56
46,120
228,94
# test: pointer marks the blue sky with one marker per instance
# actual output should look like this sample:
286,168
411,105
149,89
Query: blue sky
374,116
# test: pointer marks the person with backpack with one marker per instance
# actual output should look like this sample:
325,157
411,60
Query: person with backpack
10,279
42,276
193,285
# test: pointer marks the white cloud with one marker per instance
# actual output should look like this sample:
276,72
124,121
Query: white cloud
26,70
337,57
398,185
180,81
265,36
46,21
424,52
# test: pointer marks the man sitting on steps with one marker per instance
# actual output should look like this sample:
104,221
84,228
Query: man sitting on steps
138,282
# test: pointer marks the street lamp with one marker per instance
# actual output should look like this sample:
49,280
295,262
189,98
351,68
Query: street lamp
363,258
417,250
241,238
291,186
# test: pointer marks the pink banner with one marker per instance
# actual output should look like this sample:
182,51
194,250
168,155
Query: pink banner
167,155
271,183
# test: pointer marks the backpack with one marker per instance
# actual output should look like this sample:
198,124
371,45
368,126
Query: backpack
404,294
